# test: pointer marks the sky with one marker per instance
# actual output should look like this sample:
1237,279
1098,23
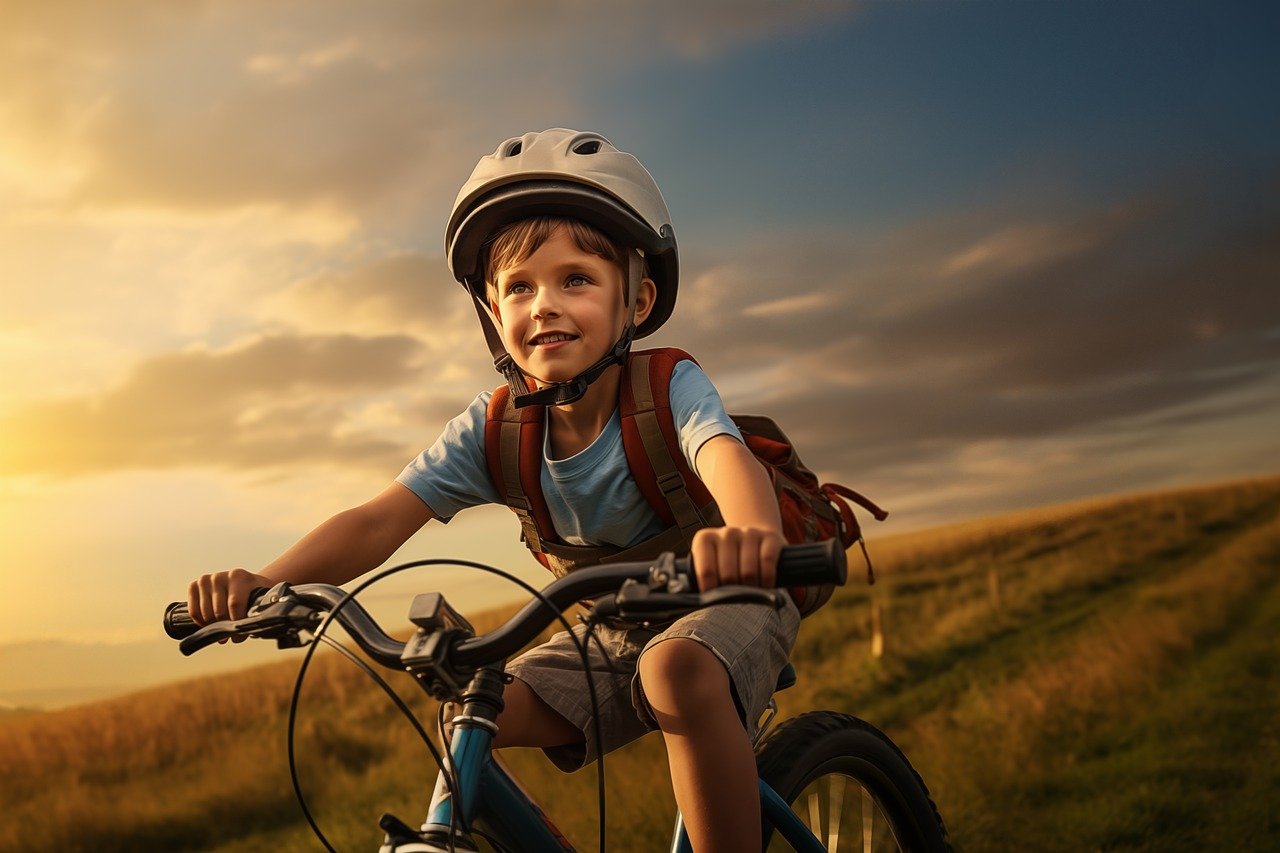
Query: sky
974,257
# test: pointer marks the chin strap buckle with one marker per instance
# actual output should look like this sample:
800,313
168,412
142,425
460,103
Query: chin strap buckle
559,394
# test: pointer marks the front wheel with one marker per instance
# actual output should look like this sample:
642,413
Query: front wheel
850,785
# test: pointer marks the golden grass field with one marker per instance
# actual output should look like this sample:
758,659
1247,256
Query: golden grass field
1096,676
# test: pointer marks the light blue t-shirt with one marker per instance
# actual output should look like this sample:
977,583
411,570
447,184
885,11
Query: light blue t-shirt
591,495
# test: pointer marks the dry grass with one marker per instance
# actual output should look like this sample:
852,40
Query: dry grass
1125,651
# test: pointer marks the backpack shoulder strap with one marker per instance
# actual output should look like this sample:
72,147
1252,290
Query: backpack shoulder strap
652,443
513,451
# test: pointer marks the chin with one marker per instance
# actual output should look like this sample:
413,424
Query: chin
552,370
554,375
546,374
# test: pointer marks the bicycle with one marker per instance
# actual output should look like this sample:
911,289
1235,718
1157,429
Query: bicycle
824,777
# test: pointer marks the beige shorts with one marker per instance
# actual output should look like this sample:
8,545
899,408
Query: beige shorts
753,641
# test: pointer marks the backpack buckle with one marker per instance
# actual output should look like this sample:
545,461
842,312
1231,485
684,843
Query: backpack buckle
671,482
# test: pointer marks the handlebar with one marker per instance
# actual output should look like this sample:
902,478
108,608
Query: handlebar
284,611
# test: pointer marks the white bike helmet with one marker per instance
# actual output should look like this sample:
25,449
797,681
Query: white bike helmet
561,172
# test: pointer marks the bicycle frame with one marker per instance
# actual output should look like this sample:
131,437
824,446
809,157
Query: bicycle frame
488,794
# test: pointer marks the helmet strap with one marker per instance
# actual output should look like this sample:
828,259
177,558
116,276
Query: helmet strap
562,393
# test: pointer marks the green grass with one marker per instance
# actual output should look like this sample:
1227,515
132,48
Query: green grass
1189,765
1121,695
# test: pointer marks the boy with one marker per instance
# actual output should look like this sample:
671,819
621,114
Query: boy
548,236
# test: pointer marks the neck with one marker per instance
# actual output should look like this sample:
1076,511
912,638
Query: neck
587,417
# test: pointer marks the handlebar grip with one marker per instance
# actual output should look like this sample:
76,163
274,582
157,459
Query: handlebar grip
178,623
802,564
813,563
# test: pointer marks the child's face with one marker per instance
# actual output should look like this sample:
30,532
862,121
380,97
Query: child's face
561,309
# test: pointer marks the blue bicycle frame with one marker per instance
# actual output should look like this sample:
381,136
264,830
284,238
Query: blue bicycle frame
489,795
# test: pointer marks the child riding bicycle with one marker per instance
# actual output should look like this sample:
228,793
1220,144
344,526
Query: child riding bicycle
566,247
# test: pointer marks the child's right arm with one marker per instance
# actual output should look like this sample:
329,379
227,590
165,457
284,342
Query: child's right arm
344,547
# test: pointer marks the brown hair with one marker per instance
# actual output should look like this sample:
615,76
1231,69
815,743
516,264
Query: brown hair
514,243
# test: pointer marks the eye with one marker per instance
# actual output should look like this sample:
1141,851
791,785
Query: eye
514,287
577,281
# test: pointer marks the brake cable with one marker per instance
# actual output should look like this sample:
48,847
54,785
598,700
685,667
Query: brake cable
450,779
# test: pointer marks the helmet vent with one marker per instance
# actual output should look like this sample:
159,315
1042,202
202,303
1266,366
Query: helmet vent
515,148
590,146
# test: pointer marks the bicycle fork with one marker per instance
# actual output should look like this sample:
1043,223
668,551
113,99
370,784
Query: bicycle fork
483,789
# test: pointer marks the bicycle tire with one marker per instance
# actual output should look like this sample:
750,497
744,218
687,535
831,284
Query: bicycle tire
812,758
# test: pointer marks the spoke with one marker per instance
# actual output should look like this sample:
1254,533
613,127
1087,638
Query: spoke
868,816
824,803
835,809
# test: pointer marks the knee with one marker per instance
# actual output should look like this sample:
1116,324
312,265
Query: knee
680,675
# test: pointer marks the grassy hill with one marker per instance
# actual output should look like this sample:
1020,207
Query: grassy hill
1094,676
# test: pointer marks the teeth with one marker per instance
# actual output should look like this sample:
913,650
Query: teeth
550,339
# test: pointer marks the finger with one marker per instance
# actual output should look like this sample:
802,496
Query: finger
238,588
206,599
749,558
728,553
193,603
703,550
219,596
770,550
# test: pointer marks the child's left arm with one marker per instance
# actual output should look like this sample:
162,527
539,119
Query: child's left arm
746,549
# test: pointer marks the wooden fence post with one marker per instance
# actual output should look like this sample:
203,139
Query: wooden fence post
877,631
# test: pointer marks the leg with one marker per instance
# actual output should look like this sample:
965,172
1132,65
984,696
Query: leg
713,768
548,703
528,721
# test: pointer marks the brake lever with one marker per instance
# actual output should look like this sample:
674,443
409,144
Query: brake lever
278,615
208,635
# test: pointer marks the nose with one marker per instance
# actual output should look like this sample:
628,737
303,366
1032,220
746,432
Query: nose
545,303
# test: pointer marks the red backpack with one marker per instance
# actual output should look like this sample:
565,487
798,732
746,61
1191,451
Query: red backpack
810,511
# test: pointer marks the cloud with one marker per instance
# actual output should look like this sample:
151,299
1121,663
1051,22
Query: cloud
166,169
989,330
385,295
803,304
267,403
398,294
1021,245
218,105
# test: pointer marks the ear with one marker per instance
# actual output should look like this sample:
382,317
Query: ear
646,296
493,309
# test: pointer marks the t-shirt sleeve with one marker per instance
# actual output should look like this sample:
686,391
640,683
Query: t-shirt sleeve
697,410
452,475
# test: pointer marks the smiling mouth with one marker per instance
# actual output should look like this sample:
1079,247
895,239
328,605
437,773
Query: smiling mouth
551,338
